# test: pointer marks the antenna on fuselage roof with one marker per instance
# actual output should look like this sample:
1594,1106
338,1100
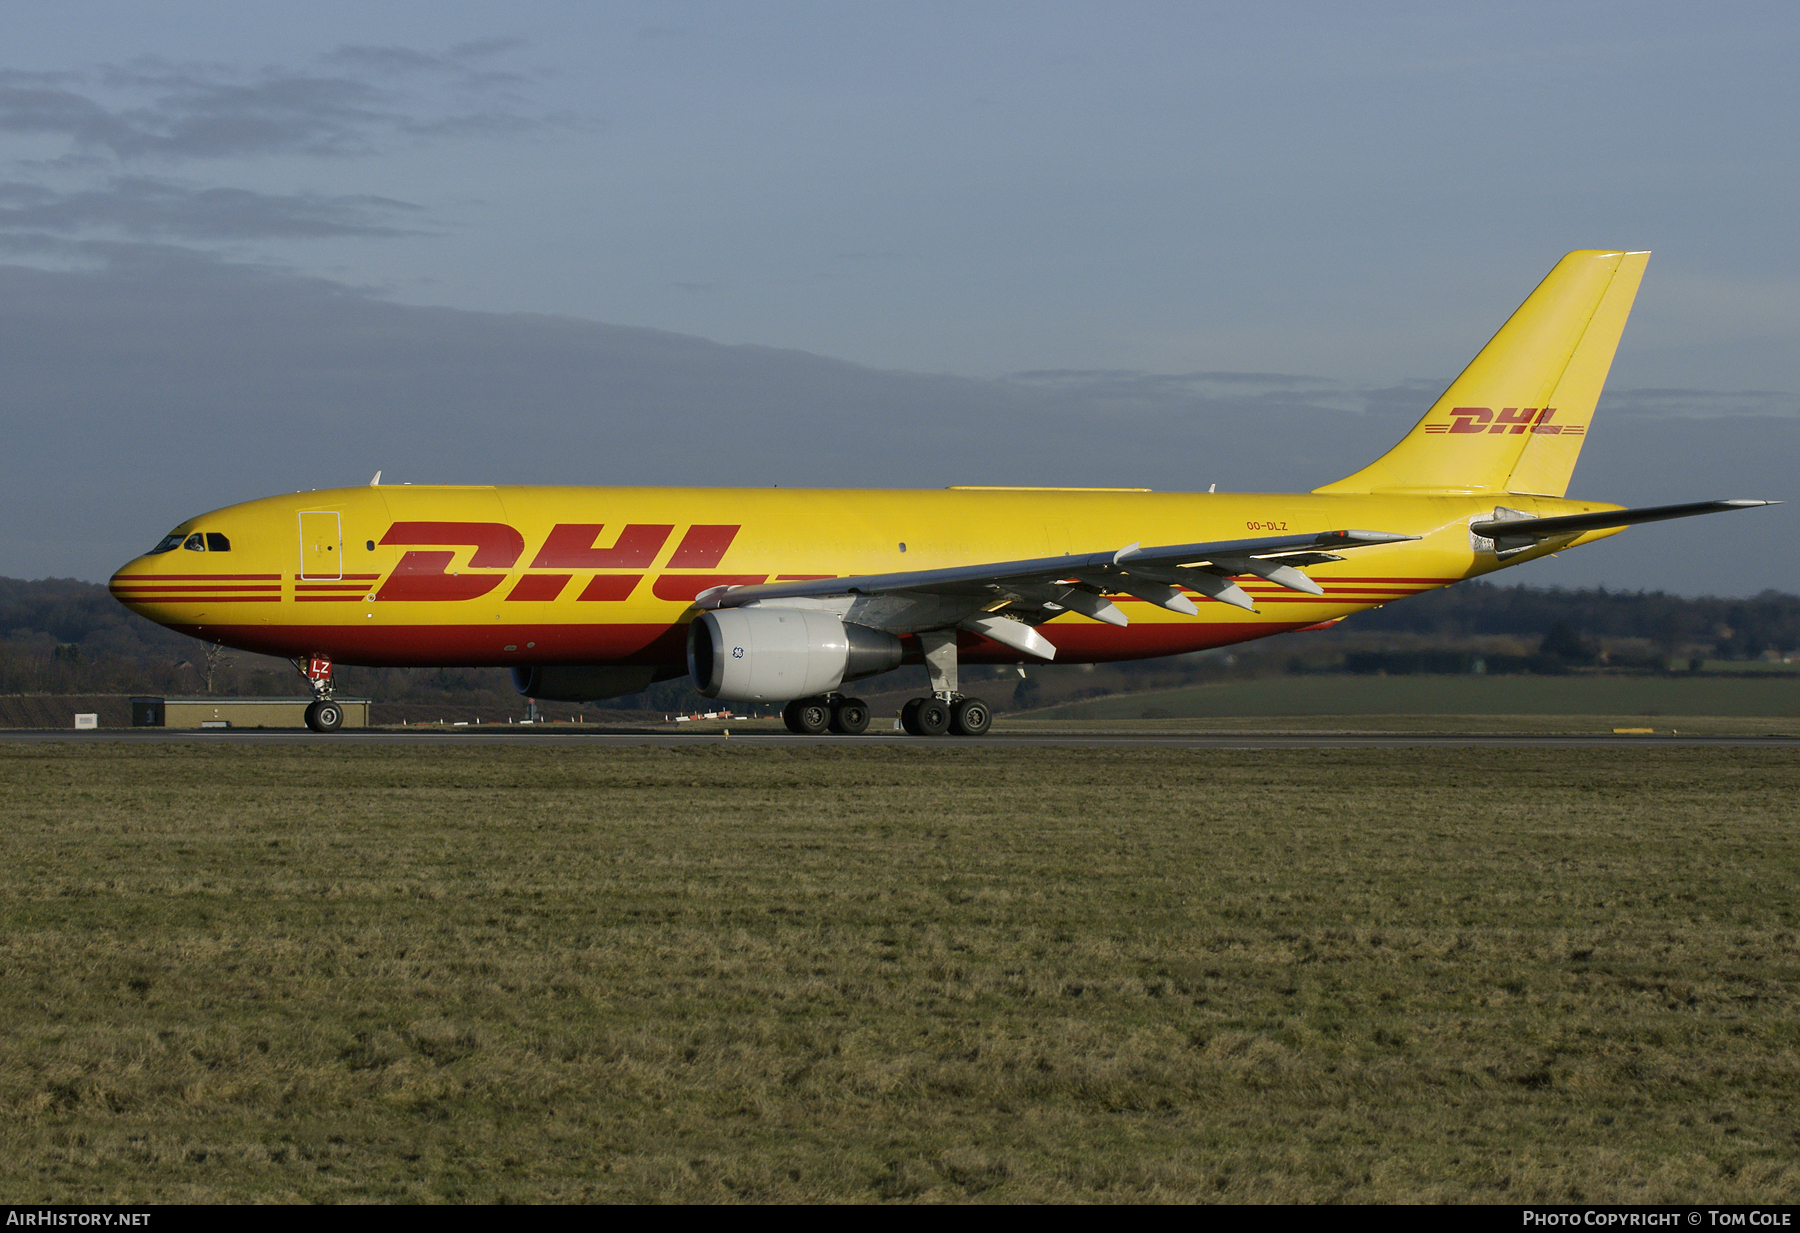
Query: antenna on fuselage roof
376,482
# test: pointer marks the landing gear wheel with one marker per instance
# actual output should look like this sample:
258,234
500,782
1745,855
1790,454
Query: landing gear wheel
970,717
850,716
324,716
925,717
807,716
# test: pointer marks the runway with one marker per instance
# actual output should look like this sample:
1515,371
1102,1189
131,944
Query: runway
518,735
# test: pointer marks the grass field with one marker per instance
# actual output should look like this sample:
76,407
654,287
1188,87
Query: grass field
1618,697
880,972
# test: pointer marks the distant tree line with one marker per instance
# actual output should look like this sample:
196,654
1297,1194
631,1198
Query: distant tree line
1561,650
1672,624
63,636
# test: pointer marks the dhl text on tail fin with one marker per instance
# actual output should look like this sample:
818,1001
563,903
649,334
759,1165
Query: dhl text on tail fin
786,595
1514,421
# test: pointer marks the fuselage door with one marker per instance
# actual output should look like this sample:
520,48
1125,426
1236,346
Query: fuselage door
321,544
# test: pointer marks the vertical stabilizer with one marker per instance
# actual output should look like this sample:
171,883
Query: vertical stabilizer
1515,419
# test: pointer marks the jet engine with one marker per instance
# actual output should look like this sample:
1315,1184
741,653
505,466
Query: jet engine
778,654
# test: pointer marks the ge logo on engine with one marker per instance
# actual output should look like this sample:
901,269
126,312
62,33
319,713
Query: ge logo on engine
737,652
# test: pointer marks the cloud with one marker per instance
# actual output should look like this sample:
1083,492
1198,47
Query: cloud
1125,380
387,59
457,68
476,49
888,255
143,207
355,102
1698,403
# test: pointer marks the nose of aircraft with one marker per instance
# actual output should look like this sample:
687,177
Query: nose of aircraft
144,583
189,574
129,577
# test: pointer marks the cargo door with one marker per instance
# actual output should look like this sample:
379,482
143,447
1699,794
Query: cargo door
321,544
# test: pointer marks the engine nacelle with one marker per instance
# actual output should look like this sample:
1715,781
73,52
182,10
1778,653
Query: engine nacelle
581,683
778,654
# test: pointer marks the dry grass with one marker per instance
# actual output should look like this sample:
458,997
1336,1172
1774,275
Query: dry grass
1622,699
728,972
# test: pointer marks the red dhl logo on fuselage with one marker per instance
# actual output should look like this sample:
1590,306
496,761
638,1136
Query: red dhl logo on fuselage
1509,419
423,575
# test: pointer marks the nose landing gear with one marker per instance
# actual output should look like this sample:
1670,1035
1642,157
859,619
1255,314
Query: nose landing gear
323,715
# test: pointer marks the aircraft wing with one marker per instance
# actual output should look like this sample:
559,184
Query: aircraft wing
1078,581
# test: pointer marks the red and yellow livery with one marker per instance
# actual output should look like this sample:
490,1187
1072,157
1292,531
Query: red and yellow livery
786,594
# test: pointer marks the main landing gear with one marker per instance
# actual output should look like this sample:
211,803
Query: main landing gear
922,716
933,716
324,714
832,712
945,709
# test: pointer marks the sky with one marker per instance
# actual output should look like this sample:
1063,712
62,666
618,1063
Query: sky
246,250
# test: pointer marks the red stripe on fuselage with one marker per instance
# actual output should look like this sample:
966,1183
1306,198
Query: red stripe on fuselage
199,599
198,577
121,588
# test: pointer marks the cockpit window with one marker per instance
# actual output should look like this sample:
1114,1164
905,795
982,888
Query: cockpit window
209,541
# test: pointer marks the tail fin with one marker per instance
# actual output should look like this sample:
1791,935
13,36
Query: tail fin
1515,419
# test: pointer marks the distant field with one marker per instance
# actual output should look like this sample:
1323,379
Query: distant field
1402,725
1622,696
881,972
1752,667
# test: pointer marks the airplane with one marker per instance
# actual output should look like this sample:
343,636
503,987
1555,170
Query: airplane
785,595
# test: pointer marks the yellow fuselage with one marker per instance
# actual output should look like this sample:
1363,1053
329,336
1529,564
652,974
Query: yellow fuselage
471,576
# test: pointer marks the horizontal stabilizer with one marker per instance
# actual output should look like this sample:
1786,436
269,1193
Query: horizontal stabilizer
1576,524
